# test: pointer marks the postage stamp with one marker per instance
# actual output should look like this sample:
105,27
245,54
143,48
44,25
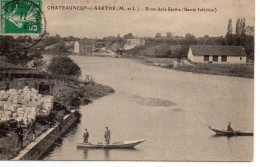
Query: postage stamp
21,17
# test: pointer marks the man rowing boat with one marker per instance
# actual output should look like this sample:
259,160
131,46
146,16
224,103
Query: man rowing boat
229,127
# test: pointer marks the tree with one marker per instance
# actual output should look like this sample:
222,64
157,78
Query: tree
238,26
119,39
249,47
63,65
184,49
57,37
190,39
230,27
243,32
158,35
128,36
168,35
237,41
163,50
13,49
240,32
61,49
229,36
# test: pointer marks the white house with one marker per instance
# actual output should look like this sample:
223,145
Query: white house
217,54
76,47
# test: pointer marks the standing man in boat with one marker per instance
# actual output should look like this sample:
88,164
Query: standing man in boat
107,135
229,127
85,136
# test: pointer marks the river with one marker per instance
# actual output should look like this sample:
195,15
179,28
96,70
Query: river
170,109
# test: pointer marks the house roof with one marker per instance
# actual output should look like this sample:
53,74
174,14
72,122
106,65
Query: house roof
198,50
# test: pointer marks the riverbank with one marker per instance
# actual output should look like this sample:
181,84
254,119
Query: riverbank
8,144
74,94
234,70
36,149
68,94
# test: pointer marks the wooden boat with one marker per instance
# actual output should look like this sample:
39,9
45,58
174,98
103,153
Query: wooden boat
230,133
103,145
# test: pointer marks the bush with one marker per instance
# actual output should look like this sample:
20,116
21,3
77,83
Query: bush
63,65
6,126
43,120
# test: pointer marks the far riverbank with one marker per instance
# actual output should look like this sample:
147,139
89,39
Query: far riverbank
234,70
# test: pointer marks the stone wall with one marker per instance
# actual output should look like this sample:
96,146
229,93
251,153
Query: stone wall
36,149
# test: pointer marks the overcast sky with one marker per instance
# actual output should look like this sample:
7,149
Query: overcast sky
93,24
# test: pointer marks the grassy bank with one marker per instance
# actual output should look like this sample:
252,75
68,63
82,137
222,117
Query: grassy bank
234,70
74,94
153,61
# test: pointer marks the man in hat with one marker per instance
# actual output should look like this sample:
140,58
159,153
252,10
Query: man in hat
33,129
229,127
19,132
107,135
86,136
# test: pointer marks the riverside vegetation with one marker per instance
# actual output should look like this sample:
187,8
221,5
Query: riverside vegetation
234,70
68,94
61,75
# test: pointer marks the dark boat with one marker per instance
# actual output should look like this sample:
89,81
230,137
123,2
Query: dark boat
230,133
103,145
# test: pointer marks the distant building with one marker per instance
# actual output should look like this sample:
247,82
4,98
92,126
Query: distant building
131,43
76,47
217,54
87,46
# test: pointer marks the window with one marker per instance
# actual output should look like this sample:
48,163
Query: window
206,57
215,58
223,58
240,58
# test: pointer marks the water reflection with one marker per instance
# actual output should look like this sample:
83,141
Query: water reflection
224,136
218,136
85,153
106,154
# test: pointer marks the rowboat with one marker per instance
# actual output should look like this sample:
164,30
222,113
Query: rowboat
104,145
230,133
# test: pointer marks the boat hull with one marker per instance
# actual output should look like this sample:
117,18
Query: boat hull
230,133
114,145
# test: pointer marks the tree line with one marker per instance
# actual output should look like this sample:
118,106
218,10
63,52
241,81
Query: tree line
240,37
14,50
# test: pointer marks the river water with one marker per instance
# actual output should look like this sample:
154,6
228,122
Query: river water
170,109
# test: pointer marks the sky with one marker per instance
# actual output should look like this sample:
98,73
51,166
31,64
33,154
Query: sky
98,24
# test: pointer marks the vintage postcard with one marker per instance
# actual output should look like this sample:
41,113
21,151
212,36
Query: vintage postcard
135,80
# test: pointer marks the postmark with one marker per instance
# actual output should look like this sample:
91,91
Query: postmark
22,17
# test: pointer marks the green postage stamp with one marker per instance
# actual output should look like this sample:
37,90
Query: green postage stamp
21,17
